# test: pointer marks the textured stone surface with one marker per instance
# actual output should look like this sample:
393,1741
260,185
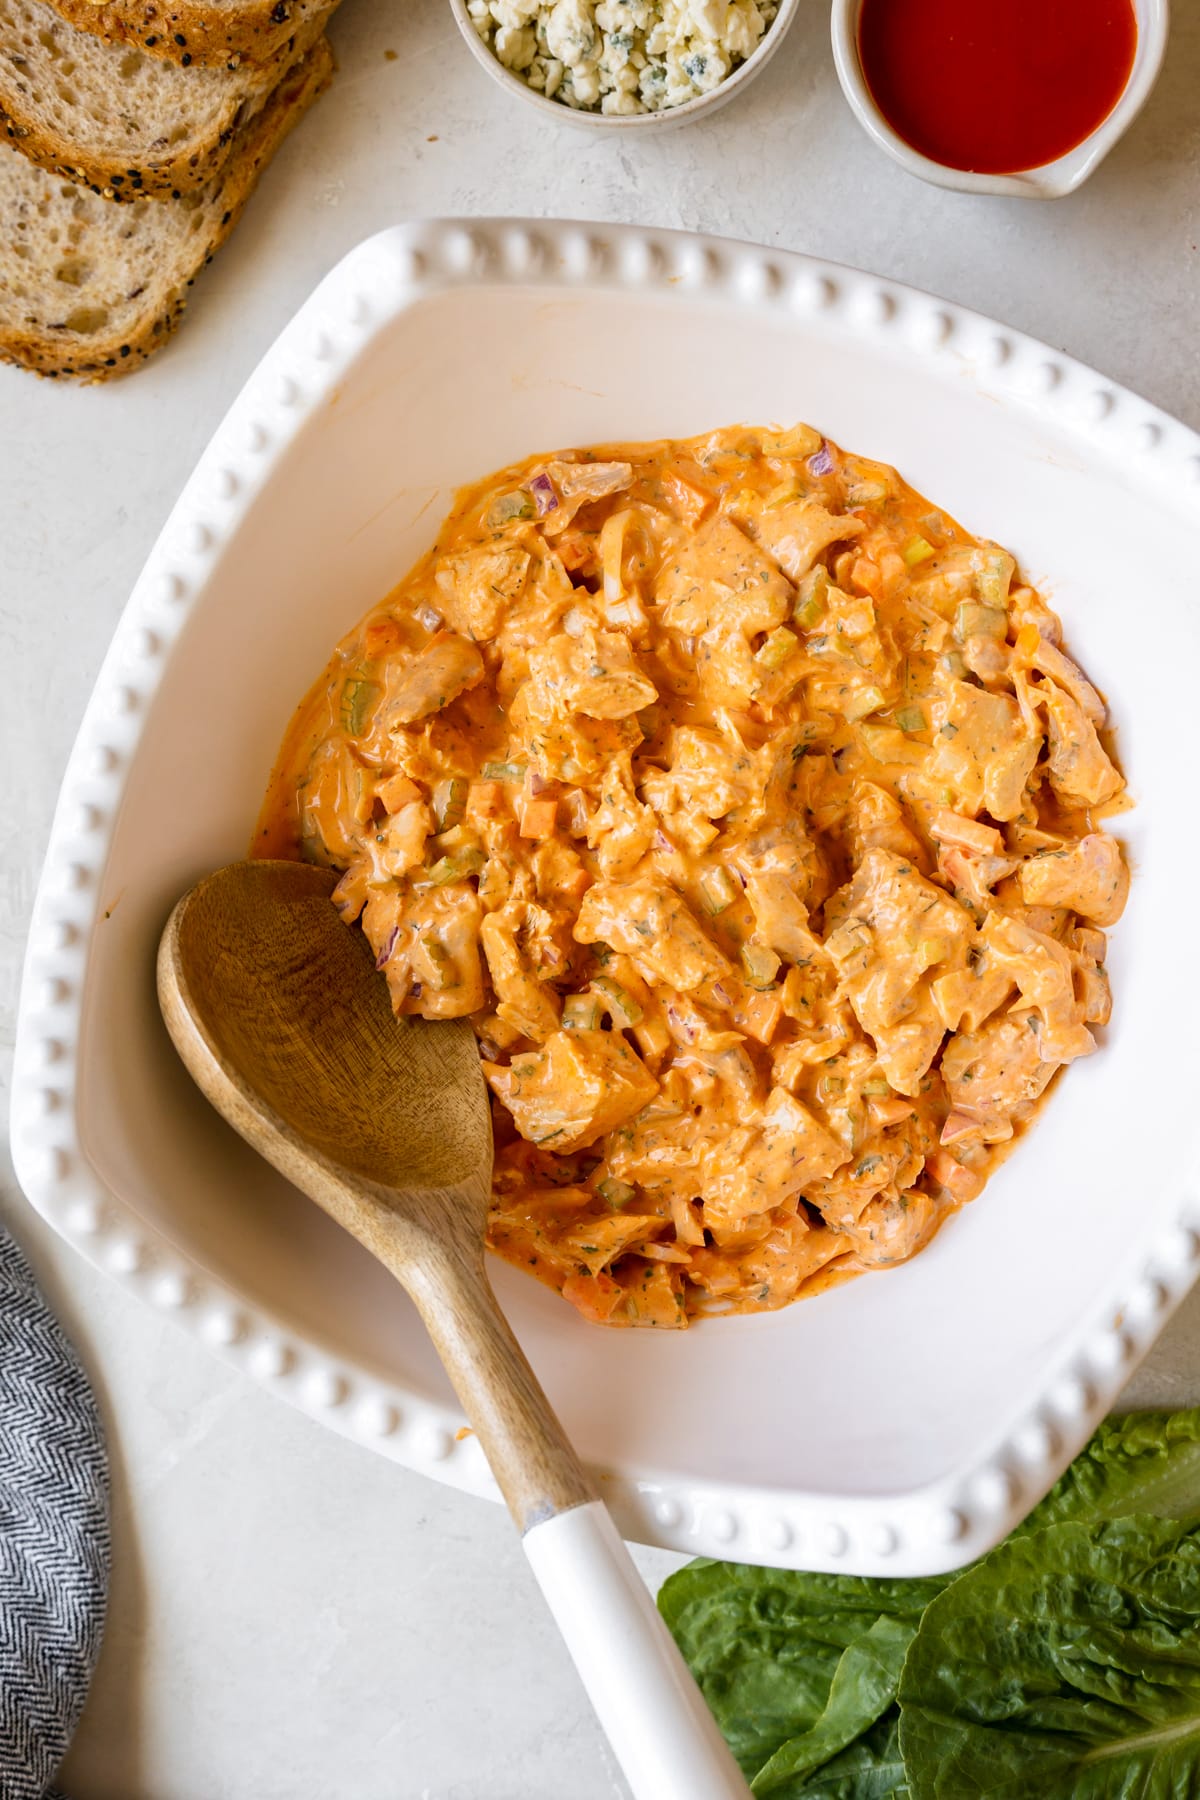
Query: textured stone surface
253,1651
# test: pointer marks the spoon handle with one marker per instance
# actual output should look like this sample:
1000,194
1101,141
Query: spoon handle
655,1718
653,1714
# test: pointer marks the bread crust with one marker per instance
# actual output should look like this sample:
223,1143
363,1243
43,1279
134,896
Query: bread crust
190,31
178,171
54,353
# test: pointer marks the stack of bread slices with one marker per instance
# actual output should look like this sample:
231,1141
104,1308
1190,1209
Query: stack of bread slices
132,133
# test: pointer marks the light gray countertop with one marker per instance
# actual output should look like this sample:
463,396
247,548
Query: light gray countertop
292,1618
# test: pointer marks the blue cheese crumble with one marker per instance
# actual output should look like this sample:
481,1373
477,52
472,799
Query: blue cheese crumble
622,56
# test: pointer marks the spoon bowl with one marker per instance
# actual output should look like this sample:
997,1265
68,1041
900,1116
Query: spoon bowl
298,1032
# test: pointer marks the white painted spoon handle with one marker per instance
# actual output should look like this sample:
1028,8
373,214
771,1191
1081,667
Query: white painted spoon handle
652,1712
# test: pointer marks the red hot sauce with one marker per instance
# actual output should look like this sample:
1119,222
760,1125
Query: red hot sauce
996,85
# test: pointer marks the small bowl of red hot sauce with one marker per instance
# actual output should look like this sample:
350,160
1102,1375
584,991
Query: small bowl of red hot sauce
998,96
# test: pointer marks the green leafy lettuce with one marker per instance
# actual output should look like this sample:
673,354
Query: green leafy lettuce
766,1645
1064,1665
814,1679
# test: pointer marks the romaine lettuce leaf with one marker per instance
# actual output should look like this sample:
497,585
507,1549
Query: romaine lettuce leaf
1065,1665
870,1769
1137,1463
863,1689
791,1663
765,1646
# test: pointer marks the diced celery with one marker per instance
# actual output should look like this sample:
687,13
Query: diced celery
887,743
953,664
623,1007
810,598
866,490
911,718
800,440
761,965
503,771
778,648
581,1012
455,868
459,837
781,495
719,889
358,696
877,1089
867,700
444,973
449,803
617,1193
995,577
973,620
918,550
517,505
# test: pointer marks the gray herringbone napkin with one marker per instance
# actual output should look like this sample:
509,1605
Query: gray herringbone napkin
54,1545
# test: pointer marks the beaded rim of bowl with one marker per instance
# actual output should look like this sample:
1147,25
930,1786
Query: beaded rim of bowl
923,1531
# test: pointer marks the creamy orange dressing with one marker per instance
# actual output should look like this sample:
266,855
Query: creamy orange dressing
748,806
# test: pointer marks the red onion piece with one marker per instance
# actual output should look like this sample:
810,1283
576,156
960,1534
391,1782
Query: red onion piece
427,616
414,992
544,496
821,461
685,1028
390,945
721,993
663,842
537,783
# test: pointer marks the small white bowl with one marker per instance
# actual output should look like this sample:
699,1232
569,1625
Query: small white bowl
704,105
1049,182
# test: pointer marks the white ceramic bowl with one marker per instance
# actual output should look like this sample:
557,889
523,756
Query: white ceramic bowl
900,1423
1052,180
703,106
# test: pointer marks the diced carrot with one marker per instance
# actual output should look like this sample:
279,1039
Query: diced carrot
867,575
954,1176
958,1127
759,1016
382,637
577,550
690,502
883,1113
539,817
1028,639
968,834
485,800
399,791
595,1296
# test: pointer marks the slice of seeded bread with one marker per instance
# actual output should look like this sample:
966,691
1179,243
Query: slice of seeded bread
119,121
195,31
91,289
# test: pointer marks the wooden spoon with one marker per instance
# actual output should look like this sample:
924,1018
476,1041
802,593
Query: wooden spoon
276,1008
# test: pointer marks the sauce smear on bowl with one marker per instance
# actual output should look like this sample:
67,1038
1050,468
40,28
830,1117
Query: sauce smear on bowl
996,86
